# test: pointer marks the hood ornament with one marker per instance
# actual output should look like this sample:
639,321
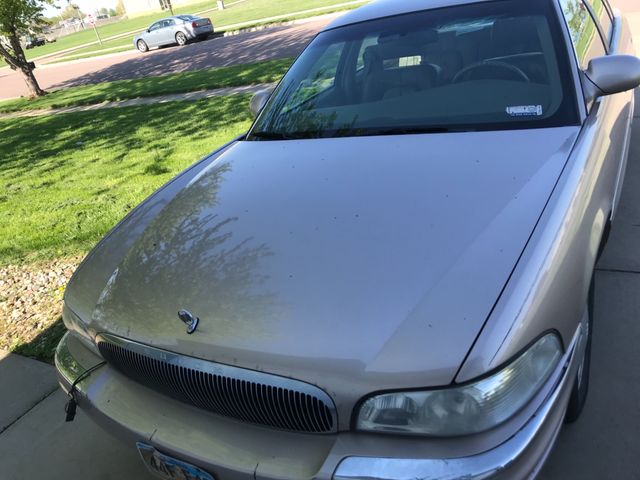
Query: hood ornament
189,320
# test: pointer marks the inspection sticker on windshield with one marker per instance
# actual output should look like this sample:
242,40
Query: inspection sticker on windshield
525,111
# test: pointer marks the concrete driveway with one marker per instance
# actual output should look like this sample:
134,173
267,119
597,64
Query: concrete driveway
604,443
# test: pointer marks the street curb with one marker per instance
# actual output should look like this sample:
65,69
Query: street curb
286,23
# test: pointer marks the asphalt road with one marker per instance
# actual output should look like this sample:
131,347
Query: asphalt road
278,42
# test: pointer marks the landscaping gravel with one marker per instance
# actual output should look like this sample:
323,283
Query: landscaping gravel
31,306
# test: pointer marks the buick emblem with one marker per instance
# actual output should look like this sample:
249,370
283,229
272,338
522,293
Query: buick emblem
189,320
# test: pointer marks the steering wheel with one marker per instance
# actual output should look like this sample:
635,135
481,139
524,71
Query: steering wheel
458,77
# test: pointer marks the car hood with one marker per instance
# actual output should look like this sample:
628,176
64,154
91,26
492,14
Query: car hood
356,264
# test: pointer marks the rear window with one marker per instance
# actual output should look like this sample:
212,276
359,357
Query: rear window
489,65
187,18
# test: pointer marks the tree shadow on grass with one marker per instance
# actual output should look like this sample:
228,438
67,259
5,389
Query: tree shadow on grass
51,142
43,347
51,167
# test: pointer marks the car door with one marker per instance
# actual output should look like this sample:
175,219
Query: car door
167,32
612,31
595,32
152,37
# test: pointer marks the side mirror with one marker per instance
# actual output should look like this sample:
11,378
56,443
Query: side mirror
259,100
611,74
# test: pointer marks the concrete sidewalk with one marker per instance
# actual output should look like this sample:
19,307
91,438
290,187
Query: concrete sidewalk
37,443
634,23
175,97
24,384
41,445
603,444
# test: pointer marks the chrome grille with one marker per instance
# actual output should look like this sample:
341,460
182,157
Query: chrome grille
245,395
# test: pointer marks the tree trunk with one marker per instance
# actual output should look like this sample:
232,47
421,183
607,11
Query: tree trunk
17,60
32,83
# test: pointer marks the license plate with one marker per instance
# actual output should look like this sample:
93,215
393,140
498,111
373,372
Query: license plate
168,467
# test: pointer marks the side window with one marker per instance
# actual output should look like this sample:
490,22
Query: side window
321,77
169,23
155,26
324,72
601,12
584,32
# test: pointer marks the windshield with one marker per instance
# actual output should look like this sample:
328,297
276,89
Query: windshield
483,66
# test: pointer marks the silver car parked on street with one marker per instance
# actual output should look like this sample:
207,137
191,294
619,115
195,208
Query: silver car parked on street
390,276
177,30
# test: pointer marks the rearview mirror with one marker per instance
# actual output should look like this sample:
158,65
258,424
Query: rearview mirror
611,74
259,100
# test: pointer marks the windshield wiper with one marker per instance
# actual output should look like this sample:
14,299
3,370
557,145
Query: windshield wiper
269,136
417,130
364,132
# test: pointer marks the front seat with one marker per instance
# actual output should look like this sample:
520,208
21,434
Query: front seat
412,79
373,86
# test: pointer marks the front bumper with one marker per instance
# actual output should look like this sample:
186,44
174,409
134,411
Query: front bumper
235,451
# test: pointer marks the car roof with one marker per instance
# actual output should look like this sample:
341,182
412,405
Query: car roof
177,17
389,8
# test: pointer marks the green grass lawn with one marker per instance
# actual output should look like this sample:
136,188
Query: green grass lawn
257,9
65,180
246,11
234,76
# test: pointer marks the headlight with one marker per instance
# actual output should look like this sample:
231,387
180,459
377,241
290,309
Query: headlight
75,324
467,409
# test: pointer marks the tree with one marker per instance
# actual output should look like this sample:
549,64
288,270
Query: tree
70,11
103,11
112,12
17,18
120,10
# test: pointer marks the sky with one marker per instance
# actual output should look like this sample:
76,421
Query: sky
86,6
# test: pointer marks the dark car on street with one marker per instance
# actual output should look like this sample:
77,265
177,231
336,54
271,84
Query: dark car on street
33,42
